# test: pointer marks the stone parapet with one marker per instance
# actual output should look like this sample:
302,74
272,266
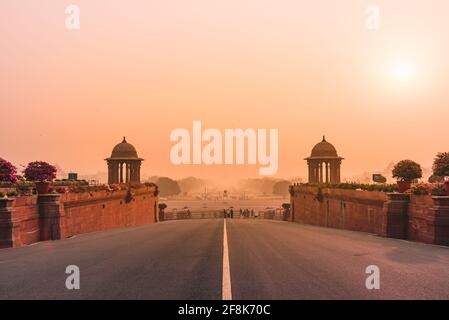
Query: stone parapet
397,215
28,219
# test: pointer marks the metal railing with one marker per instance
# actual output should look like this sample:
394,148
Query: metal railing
181,215
219,214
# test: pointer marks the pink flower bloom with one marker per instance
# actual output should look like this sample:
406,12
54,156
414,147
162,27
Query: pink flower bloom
40,171
8,172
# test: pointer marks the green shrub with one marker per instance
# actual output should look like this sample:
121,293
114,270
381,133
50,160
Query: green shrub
383,187
421,189
439,190
435,179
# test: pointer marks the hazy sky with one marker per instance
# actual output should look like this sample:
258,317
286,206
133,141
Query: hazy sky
144,68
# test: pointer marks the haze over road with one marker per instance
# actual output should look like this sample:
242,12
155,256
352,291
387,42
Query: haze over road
184,260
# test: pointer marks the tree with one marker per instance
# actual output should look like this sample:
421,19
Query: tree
441,164
168,187
407,170
40,171
281,187
8,172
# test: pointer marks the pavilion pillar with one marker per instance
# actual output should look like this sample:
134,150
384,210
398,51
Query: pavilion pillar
113,170
127,172
332,171
117,173
320,172
133,172
312,171
309,169
338,171
138,172
109,173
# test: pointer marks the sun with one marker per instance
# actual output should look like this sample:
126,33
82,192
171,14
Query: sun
402,71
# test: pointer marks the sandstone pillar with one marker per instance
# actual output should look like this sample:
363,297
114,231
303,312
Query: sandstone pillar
395,223
50,220
9,230
439,222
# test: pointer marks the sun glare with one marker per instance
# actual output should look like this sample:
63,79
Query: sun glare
402,71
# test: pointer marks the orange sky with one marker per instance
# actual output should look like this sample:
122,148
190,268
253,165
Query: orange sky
144,68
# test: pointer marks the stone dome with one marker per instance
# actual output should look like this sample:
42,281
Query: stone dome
324,149
124,150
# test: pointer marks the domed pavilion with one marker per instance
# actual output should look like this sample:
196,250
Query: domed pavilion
324,163
124,164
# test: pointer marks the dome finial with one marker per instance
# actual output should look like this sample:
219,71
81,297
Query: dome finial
324,138
124,139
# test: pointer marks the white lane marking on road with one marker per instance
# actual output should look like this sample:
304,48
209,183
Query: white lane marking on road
226,282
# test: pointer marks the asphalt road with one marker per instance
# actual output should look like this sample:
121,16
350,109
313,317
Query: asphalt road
184,260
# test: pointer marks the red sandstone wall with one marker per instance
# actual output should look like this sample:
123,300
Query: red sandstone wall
29,219
26,217
419,212
19,223
89,212
342,209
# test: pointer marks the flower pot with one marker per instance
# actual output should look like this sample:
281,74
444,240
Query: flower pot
404,186
42,187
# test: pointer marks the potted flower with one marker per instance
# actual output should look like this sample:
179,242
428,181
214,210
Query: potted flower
421,189
8,172
441,168
405,172
438,191
42,174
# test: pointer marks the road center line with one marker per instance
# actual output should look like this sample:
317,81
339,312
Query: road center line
226,282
